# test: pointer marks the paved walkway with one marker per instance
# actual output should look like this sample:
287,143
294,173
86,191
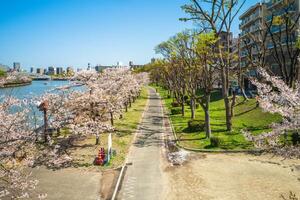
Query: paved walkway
68,184
143,178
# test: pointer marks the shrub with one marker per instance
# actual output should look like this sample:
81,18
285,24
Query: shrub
175,104
295,138
176,111
195,125
2,73
215,142
169,96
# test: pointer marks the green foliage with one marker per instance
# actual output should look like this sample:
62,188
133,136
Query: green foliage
277,21
204,42
195,125
2,73
215,142
176,111
297,45
247,116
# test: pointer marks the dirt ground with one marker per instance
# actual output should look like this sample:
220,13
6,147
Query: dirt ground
232,177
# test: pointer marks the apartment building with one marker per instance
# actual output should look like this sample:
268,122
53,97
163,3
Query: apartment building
251,23
253,26
275,9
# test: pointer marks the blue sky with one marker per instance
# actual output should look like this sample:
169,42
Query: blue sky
75,32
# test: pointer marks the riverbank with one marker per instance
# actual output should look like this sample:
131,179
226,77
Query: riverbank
10,85
66,183
31,89
51,79
61,79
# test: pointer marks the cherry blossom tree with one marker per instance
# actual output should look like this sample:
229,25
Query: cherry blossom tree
14,77
275,96
16,149
82,112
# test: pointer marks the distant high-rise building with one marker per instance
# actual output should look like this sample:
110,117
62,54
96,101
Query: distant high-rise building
59,70
89,66
99,68
79,69
51,70
119,64
39,70
31,69
16,66
70,70
130,63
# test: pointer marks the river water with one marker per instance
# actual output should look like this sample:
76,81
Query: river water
37,88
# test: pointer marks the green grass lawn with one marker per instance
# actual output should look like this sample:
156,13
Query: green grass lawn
246,116
122,137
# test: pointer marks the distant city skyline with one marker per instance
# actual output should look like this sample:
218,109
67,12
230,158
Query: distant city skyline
66,33
18,66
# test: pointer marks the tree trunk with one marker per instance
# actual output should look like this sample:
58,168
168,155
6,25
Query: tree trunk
225,94
207,122
182,106
45,126
126,107
58,132
97,140
244,94
111,118
233,103
129,102
228,113
192,105
242,87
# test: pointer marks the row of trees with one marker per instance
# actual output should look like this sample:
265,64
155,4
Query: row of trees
89,110
205,58
12,78
189,65
201,59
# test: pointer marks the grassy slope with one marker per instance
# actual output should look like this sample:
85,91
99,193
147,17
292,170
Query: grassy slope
247,116
122,138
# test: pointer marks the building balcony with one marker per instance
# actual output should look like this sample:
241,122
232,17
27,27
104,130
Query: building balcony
251,19
280,13
277,29
251,30
273,3
283,43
